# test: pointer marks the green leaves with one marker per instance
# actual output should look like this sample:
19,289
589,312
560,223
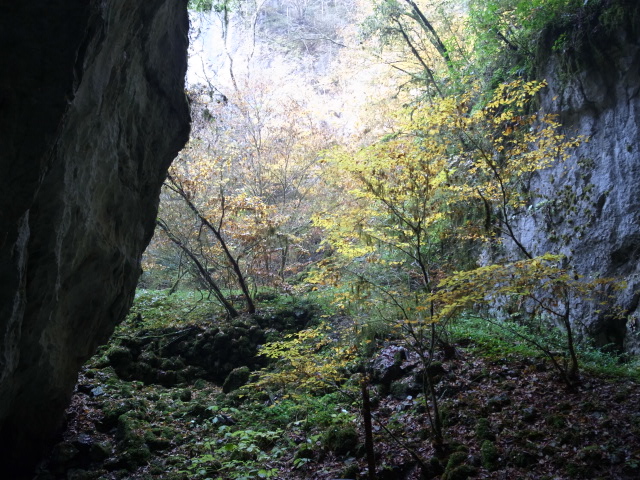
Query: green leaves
201,5
239,455
507,33
208,5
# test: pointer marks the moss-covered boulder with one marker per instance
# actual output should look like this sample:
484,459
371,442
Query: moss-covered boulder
236,379
131,443
483,430
341,440
457,469
119,357
489,455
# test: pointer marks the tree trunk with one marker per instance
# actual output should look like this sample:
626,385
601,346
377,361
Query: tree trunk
204,274
368,431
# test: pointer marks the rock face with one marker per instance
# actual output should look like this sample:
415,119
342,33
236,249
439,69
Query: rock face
92,111
592,213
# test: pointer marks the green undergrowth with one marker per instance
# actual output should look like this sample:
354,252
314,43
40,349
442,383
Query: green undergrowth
300,416
194,431
266,435
159,309
495,339
514,38
154,309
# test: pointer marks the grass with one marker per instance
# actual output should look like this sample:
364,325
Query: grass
155,309
193,431
489,339
158,309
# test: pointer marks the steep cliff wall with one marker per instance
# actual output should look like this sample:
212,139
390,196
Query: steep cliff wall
592,213
92,111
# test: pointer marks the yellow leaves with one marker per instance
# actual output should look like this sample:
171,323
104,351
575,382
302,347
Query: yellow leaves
407,193
541,279
308,361
255,176
517,93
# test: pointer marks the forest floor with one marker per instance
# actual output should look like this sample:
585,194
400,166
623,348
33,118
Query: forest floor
505,415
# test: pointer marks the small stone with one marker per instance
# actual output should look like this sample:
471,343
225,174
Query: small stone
100,451
222,419
83,443
498,402
529,414
84,388
96,392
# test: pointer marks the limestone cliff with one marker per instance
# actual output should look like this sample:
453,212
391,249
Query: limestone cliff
92,111
592,209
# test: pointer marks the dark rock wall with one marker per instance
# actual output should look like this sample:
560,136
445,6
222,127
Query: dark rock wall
92,111
592,214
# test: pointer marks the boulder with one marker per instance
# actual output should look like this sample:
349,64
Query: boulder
236,379
588,209
92,112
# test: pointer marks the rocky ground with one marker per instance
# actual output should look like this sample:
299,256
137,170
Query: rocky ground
165,404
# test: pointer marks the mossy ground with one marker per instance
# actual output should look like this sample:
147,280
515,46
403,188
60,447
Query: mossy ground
505,417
